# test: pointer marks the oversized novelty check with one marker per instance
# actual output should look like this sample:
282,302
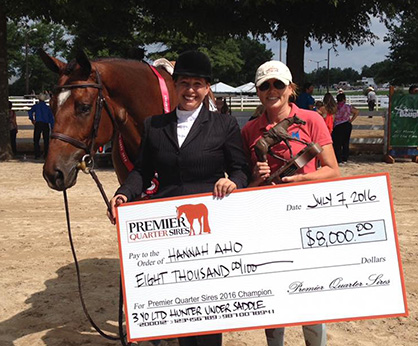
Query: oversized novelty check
271,256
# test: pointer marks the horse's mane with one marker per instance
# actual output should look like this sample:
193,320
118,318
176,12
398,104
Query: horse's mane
115,59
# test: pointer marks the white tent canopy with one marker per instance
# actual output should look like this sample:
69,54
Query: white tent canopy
222,89
247,88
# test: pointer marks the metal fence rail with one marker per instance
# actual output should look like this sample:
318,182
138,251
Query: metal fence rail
243,108
21,103
237,103
244,103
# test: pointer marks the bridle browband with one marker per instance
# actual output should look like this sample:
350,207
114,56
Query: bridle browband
97,116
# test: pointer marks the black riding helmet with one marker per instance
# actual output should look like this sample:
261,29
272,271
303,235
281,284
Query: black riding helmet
193,64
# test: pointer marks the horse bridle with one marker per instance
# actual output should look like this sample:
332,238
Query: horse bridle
87,160
86,165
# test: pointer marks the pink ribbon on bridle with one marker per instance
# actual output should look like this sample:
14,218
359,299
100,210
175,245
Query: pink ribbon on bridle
166,105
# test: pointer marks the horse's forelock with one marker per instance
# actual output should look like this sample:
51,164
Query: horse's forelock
70,67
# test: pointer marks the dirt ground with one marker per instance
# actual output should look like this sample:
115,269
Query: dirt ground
39,302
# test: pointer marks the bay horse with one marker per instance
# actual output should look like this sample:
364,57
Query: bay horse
94,102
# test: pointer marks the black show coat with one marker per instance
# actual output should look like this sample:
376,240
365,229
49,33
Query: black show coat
212,147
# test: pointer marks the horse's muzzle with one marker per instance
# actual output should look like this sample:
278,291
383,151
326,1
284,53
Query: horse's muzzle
59,177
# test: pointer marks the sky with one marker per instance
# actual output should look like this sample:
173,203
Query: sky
356,58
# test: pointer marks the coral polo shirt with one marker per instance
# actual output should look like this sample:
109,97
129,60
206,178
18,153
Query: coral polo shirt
315,130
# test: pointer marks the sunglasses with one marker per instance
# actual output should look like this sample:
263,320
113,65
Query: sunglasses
279,85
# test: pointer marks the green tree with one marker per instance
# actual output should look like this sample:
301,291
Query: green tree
380,71
403,39
336,74
234,61
226,60
299,21
350,75
104,27
14,10
51,37
253,54
97,21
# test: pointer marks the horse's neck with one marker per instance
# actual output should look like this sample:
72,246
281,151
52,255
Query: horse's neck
134,95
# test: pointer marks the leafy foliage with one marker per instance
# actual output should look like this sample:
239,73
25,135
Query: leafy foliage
106,27
403,38
103,27
234,61
380,71
51,37
301,21
319,76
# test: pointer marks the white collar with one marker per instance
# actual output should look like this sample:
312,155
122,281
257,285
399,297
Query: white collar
188,116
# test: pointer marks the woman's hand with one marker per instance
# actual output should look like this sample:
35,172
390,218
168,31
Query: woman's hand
223,187
354,114
114,203
261,172
293,178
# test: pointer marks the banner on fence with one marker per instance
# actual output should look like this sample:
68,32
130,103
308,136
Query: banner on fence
403,120
271,256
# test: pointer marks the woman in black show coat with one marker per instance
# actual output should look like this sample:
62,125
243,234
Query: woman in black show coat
191,149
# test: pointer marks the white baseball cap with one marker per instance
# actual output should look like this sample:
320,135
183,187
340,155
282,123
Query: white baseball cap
273,69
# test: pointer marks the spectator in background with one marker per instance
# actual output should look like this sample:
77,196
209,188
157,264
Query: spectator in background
221,106
341,133
413,89
225,109
371,99
219,103
13,128
48,94
327,110
305,99
318,105
41,116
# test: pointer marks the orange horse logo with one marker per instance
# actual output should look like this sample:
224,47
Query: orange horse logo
193,212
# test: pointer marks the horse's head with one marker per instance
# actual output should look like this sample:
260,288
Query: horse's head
179,211
80,127
297,120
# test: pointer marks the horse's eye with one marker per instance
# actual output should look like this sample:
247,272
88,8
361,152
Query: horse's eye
85,108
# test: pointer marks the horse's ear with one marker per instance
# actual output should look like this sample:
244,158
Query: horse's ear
84,62
54,64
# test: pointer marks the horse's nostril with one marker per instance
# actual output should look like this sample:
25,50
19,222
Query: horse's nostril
55,179
59,180
59,175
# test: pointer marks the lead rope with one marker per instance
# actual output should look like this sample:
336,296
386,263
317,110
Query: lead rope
86,166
